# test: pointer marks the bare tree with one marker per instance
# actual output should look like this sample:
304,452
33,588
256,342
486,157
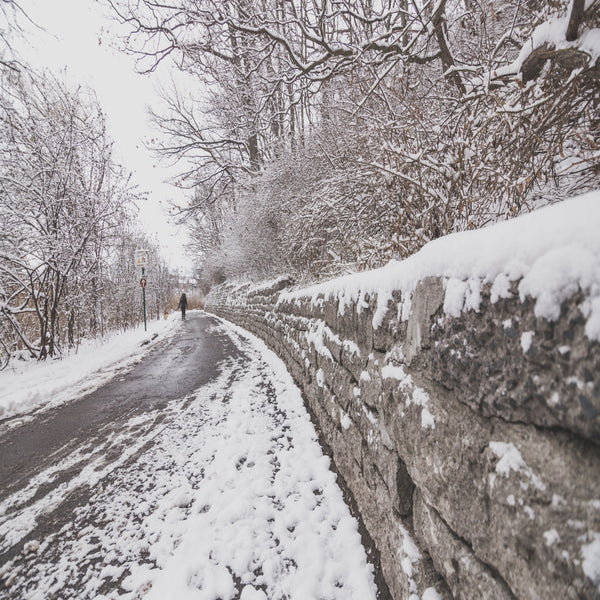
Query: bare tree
11,14
359,131
65,206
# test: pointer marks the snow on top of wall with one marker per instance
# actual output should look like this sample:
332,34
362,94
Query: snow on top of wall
266,285
554,251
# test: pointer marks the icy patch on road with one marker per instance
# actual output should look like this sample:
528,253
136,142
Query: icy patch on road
232,499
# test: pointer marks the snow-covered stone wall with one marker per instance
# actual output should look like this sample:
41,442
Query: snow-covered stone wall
462,410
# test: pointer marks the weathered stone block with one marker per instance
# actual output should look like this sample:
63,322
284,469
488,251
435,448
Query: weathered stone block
427,299
453,558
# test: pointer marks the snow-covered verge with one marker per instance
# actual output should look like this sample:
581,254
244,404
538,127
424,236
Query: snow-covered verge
554,252
229,497
29,385
459,393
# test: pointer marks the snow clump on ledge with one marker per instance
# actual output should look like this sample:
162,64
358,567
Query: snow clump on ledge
553,251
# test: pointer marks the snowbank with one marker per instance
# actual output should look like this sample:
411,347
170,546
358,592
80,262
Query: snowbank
27,386
554,252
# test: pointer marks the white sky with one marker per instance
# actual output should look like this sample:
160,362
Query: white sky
80,37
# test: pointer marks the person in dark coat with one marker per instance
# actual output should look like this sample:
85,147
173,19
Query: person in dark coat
183,304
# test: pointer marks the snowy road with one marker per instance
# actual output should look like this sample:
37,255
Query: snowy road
196,475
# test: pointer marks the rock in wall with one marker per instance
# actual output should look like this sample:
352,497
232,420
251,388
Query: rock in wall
470,443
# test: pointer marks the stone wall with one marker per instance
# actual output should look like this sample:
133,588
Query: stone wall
469,443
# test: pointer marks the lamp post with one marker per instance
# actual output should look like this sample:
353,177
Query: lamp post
141,260
143,284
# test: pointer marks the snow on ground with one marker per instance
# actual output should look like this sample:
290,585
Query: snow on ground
29,385
553,251
229,497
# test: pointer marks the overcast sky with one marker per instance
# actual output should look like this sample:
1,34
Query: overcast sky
79,40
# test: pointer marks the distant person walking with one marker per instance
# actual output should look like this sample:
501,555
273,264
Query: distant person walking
183,305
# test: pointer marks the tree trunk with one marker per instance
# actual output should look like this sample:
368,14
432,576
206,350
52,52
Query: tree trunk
575,19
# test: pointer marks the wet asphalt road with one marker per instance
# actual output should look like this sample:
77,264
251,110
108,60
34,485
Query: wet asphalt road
173,370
